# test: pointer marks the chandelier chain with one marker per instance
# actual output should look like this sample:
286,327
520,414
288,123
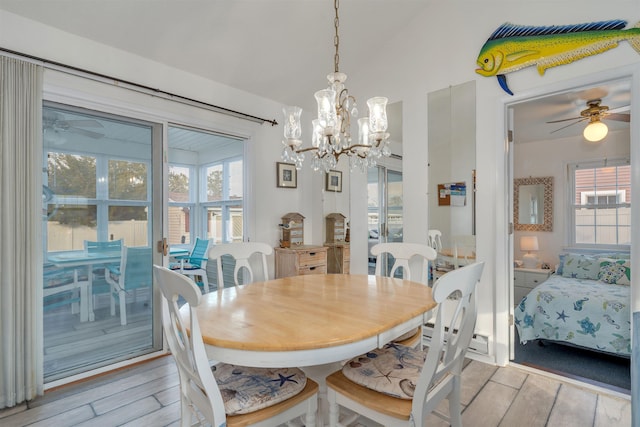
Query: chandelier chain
336,38
332,129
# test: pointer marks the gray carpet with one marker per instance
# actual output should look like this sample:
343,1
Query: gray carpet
594,367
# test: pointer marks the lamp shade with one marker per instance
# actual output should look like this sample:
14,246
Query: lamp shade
595,131
529,243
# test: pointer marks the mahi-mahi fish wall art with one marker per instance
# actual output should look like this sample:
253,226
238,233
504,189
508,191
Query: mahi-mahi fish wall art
513,47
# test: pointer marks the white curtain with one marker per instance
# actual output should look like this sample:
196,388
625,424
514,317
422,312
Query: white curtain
21,371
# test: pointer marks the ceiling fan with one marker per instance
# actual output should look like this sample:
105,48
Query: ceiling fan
596,130
56,123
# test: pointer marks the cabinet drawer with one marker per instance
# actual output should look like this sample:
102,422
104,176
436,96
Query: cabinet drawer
310,258
314,269
530,279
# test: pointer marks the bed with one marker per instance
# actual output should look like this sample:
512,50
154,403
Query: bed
585,303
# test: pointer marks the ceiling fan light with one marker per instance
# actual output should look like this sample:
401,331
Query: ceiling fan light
595,131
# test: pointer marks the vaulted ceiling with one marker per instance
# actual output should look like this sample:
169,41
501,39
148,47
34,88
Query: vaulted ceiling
278,49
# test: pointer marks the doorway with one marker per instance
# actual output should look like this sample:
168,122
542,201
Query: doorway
101,173
548,143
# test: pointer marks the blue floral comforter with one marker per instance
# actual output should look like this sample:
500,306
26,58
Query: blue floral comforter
582,312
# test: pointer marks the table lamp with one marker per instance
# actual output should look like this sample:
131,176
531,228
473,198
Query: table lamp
529,244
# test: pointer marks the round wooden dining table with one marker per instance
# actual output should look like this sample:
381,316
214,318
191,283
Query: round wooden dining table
309,320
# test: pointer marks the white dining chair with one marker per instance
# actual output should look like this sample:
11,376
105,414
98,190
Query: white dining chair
224,394
399,385
464,249
435,239
402,254
243,253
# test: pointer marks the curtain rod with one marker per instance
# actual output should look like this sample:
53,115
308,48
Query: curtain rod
139,87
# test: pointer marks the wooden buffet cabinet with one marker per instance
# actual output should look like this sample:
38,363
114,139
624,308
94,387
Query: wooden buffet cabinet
303,259
338,257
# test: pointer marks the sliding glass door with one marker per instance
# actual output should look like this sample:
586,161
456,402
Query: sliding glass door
385,219
100,219
206,190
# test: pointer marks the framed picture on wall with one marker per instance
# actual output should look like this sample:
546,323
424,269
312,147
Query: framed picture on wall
334,181
287,175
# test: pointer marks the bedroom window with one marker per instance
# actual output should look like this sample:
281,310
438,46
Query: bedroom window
601,203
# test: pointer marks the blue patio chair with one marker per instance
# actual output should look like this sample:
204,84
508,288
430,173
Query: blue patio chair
103,246
99,284
133,273
59,289
194,264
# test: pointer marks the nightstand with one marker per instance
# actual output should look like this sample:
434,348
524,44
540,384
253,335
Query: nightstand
525,279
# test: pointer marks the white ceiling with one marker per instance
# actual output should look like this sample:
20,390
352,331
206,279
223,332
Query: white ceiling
278,49
531,117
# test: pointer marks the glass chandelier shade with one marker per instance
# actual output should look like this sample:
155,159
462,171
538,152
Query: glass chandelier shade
378,114
327,116
331,130
363,133
292,128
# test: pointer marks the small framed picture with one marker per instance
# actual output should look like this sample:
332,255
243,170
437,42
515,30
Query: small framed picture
287,175
334,181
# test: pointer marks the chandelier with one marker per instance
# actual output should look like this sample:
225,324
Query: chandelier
331,133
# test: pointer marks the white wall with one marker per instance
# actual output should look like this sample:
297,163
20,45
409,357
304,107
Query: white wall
439,49
549,158
435,50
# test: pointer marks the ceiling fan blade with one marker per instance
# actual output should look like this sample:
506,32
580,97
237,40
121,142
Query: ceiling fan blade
618,117
88,123
620,109
565,120
85,132
571,124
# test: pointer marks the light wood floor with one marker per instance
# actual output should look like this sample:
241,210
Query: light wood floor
147,395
